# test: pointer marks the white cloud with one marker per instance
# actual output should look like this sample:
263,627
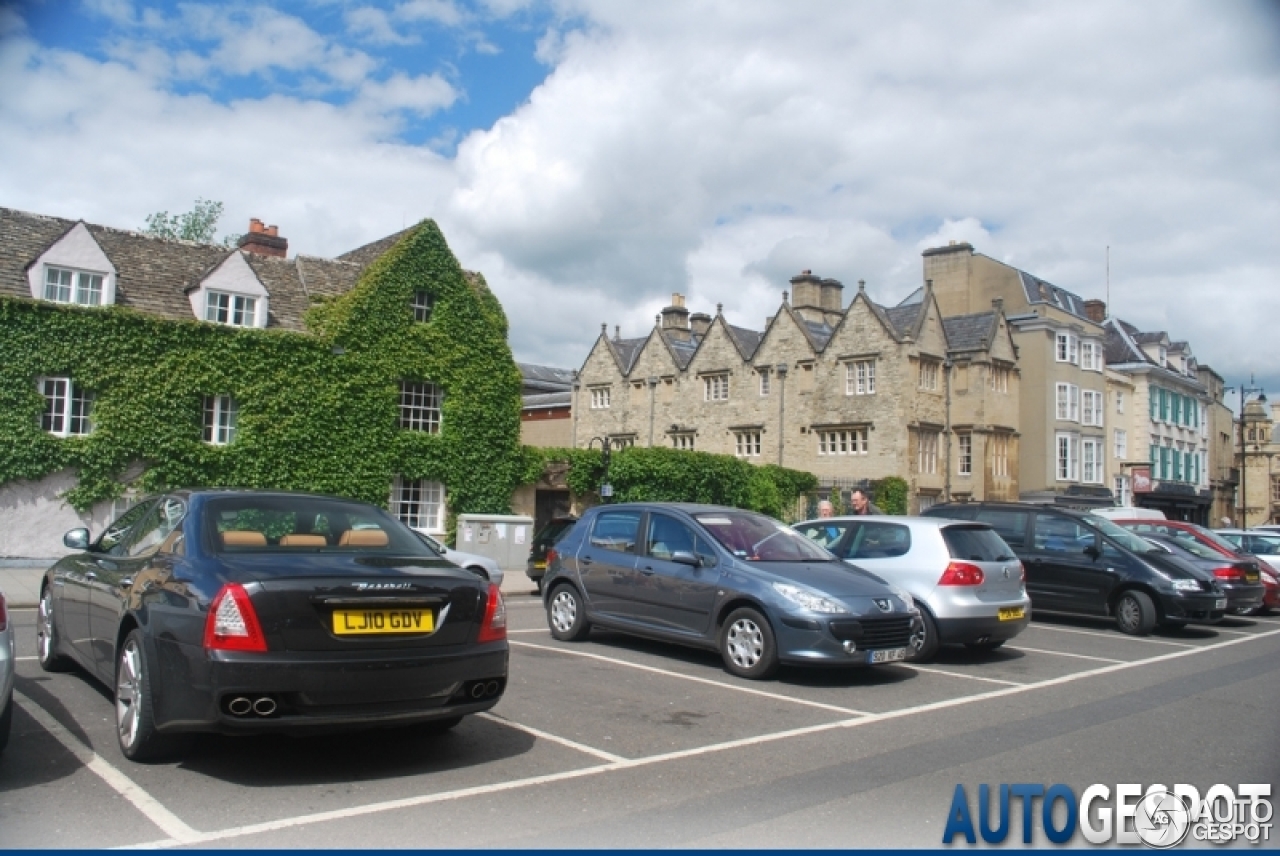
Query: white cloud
421,95
438,11
374,25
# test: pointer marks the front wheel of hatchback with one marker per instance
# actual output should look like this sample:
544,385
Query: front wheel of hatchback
747,645
1135,613
924,644
135,718
47,643
567,615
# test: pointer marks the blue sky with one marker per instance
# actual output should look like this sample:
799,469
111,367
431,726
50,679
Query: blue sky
592,158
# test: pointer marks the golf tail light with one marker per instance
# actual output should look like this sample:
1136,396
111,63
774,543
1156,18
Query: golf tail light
232,624
494,627
1229,573
962,574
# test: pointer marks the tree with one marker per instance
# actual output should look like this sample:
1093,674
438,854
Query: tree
199,224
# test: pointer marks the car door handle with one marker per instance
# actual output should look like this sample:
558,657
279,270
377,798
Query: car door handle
90,576
647,571
585,561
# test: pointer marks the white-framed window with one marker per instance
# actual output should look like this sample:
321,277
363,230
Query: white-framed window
926,501
1091,407
683,440
67,407
237,310
220,412
420,405
419,503
1068,446
1091,460
1000,378
1119,401
1121,443
622,441
927,453
1068,400
1000,455
860,377
1091,356
423,303
63,285
1163,356
1123,491
928,374
715,387
747,443
964,461
842,441
600,397
1068,350
764,382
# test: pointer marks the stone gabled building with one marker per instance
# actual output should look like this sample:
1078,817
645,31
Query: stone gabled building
851,394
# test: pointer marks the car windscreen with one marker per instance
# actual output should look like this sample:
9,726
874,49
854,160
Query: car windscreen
1122,536
1193,547
288,524
551,533
756,538
1263,545
976,543
1215,538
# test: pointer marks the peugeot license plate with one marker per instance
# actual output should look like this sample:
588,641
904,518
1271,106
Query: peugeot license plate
360,622
887,655
1220,603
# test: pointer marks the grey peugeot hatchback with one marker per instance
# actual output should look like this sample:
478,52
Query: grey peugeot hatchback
723,579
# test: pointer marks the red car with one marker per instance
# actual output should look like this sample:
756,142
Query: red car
1211,539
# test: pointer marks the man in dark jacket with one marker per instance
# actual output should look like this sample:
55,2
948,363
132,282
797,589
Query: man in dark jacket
862,505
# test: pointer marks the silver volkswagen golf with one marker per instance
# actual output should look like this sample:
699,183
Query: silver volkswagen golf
969,586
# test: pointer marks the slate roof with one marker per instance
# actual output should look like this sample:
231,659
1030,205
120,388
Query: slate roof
155,275
544,379
746,341
1041,291
1119,346
970,332
903,318
626,351
547,400
819,332
682,351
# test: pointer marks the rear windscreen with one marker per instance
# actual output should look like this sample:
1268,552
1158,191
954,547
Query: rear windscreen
301,523
976,543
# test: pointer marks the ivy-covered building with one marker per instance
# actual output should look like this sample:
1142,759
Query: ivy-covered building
134,363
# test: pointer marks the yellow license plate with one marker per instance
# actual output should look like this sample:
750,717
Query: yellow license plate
1011,613
360,622
541,566
1251,578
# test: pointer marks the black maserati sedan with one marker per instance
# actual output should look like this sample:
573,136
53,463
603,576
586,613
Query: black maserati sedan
244,612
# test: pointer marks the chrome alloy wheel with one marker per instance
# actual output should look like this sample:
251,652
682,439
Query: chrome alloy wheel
129,693
564,610
44,628
1128,615
745,643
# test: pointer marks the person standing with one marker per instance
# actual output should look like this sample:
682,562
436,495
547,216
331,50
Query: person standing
862,505
825,509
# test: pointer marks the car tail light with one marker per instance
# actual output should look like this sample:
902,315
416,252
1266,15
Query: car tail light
551,555
4,615
1228,573
494,628
232,624
962,574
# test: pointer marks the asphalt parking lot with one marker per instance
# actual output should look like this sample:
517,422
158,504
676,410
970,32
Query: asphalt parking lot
622,742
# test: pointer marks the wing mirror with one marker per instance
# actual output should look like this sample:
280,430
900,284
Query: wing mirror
77,539
684,557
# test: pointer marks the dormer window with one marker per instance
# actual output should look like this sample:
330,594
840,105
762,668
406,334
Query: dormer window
236,310
422,304
62,285
1163,359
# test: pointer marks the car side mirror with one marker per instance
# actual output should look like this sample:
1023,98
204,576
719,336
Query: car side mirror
1092,552
684,557
77,539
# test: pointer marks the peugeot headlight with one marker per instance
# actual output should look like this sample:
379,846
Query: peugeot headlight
806,599
1185,585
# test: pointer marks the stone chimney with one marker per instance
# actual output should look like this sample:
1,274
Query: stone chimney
817,299
700,322
264,240
675,319
1095,310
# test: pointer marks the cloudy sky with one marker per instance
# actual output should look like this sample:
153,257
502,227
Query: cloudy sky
592,158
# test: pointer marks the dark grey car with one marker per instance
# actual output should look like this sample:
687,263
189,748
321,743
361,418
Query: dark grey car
723,579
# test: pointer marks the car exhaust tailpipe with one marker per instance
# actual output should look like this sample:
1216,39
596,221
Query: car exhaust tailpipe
477,689
239,706
264,706
492,688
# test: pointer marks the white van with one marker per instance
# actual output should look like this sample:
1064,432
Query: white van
1128,513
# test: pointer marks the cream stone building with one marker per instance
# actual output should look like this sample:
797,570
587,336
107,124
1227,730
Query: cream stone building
851,394
1062,412
1260,455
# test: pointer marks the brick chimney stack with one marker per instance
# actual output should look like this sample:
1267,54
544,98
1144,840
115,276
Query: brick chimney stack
264,240
1095,310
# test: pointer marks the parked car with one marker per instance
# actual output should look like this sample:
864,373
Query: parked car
1129,512
1239,578
1082,563
484,565
1264,545
1190,532
965,579
722,579
6,673
543,540
1271,591
245,612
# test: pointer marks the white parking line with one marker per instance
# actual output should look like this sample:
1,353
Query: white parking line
1066,654
1111,635
950,674
151,809
572,744
848,711
480,790
541,630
